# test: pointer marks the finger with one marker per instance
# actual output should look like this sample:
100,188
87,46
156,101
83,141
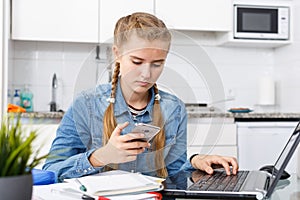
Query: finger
234,164
225,164
136,145
208,169
132,136
134,152
119,128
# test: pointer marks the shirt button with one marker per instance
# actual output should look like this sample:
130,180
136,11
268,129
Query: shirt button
85,171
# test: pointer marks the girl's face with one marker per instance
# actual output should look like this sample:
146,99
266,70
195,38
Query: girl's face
141,63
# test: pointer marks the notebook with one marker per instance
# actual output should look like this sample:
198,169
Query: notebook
253,184
118,183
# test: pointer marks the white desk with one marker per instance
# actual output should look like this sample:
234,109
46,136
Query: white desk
287,192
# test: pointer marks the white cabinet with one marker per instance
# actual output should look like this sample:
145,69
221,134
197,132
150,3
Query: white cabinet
45,135
260,143
93,21
55,20
112,10
90,21
212,15
212,138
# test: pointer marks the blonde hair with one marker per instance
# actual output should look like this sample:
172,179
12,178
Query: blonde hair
150,28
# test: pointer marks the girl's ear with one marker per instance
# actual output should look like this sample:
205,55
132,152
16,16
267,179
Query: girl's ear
116,52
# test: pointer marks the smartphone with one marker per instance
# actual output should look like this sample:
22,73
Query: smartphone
149,130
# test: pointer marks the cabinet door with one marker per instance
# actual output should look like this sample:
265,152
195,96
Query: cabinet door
261,143
45,136
211,134
212,15
55,20
212,138
112,10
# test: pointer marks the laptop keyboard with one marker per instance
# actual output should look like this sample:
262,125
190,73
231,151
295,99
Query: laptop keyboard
219,181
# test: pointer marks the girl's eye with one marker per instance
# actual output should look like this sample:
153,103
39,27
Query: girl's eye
136,62
156,64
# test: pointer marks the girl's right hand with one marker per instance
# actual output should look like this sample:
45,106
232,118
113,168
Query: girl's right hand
120,148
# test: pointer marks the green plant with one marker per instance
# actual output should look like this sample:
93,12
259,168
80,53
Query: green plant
16,151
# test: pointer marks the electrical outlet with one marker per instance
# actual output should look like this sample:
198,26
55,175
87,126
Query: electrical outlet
230,94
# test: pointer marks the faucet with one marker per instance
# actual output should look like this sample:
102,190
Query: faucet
53,97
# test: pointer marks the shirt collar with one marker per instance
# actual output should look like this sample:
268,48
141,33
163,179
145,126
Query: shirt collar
120,106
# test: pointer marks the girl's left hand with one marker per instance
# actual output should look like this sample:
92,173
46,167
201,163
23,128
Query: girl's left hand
208,162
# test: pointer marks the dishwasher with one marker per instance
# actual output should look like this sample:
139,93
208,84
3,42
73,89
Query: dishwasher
260,143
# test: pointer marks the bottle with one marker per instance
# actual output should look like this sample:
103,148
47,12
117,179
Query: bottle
9,97
26,99
16,98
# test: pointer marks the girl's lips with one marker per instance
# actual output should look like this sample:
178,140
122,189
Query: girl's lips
142,83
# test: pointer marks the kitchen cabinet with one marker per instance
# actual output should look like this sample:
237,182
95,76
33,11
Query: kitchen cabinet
90,21
212,15
94,21
112,10
260,143
45,135
55,20
211,138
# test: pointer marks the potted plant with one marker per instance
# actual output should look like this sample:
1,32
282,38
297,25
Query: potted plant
17,159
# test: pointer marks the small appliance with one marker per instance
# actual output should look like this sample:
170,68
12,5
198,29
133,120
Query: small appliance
261,22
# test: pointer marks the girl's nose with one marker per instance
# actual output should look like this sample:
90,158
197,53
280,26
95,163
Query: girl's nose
145,71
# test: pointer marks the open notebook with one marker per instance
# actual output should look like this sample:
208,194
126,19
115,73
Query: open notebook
119,183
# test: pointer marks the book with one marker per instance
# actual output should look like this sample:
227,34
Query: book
119,184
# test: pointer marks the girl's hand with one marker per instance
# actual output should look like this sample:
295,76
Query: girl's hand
208,162
120,148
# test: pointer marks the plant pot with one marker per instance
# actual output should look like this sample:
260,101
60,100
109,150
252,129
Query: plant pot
16,187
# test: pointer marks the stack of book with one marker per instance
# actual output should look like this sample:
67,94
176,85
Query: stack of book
110,185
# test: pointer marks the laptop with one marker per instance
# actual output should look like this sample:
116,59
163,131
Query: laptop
246,184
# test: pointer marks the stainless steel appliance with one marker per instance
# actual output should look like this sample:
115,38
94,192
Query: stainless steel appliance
53,103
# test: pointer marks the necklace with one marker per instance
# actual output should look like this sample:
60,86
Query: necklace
134,111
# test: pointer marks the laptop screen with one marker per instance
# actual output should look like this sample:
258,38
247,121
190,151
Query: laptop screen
284,158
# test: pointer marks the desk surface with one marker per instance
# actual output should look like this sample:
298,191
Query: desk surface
286,190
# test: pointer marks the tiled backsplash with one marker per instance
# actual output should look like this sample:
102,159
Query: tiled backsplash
34,63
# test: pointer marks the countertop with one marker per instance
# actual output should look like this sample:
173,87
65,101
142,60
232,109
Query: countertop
251,116
38,115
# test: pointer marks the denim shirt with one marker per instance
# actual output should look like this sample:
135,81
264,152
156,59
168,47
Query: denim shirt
80,134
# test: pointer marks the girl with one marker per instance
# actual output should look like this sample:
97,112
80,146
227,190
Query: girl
95,132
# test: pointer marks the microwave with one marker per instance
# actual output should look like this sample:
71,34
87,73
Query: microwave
261,22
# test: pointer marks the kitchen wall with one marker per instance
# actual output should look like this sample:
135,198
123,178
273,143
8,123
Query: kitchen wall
287,67
34,63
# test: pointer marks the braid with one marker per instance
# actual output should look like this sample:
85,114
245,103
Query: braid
159,140
115,80
109,120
